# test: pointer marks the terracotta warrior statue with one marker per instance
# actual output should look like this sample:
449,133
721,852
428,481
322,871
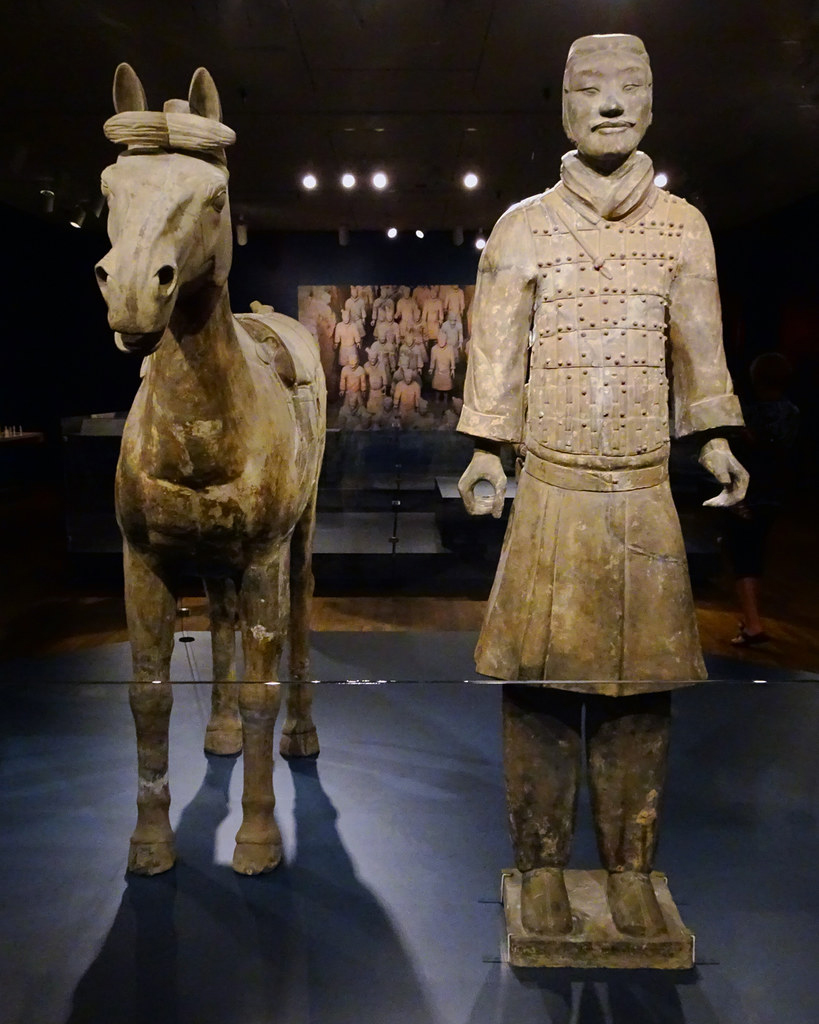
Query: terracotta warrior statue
581,292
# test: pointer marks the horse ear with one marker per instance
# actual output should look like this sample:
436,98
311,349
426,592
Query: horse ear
203,96
128,91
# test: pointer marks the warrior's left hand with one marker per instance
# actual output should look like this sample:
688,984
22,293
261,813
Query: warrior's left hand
720,461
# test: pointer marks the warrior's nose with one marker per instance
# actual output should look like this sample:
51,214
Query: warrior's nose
611,106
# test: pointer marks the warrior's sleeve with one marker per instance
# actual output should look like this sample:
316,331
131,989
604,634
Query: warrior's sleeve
495,388
701,391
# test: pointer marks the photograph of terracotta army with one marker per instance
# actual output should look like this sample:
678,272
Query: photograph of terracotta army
394,356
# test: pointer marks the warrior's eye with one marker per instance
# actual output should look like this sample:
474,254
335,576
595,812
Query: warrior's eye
218,200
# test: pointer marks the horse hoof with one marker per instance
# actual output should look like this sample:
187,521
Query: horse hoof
223,741
299,744
256,858
150,858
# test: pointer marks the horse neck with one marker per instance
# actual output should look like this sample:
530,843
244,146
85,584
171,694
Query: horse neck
199,370
197,403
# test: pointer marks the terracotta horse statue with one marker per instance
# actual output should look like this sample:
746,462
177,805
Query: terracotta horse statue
219,465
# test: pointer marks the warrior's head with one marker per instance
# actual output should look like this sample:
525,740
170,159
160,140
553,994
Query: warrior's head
606,98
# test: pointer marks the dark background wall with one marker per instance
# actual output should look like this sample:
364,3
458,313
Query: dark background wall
59,359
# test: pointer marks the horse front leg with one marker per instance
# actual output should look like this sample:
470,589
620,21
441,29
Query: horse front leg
150,609
262,612
224,731
299,737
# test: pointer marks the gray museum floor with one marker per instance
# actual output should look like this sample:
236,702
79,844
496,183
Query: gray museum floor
386,906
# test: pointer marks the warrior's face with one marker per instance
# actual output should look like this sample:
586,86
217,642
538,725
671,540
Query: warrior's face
607,101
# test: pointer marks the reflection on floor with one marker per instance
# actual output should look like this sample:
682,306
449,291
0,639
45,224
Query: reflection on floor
385,910
47,606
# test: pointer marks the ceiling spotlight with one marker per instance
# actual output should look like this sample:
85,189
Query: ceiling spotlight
77,217
480,241
99,206
470,180
309,181
419,233
348,180
343,236
241,232
661,180
392,232
458,236
379,180
48,199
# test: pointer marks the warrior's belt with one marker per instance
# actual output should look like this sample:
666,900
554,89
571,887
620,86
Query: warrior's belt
582,478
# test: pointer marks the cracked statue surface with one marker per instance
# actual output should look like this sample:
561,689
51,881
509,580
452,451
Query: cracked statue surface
596,337
219,463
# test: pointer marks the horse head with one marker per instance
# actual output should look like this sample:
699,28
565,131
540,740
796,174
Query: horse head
169,217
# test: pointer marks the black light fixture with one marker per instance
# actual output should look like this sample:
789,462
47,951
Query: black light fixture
458,236
343,236
78,217
48,199
241,231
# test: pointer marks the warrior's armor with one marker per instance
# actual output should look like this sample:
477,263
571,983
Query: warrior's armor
583,324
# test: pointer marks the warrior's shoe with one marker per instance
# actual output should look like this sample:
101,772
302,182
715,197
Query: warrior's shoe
544,902
634,905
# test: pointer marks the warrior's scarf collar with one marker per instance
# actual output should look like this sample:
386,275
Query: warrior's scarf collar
611,196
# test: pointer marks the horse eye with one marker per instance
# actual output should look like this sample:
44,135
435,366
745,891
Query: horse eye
218,201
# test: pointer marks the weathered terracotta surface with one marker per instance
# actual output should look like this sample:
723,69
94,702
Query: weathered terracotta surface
219,464
596,334
594,940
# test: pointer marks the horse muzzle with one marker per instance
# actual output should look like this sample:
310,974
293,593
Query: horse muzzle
139,304
138,344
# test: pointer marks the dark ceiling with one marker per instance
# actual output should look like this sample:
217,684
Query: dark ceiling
425,89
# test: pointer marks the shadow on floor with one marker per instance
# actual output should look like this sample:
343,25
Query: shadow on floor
592,997
200,943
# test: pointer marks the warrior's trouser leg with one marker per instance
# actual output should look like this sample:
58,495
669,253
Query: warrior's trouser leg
541,740
627,741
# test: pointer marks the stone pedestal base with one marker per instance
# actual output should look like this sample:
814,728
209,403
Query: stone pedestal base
594,941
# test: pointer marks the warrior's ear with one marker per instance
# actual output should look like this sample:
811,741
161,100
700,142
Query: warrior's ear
204,96
128,91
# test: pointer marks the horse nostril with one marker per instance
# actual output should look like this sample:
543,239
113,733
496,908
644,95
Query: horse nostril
102,274
165,275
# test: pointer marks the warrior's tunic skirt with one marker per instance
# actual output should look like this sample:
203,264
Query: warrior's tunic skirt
592,584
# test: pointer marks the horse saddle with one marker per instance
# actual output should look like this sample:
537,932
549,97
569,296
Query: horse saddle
273,351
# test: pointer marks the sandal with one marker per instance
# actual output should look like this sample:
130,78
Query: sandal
746,639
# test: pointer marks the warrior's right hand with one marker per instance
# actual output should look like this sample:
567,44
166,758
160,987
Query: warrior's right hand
484,466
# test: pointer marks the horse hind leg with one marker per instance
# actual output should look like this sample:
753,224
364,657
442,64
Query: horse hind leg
150,609
299,737
224,730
